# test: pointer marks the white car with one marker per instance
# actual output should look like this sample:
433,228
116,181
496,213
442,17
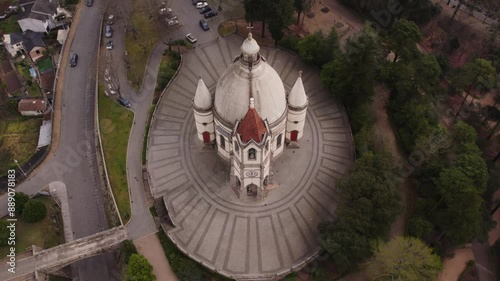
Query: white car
191,38
200,5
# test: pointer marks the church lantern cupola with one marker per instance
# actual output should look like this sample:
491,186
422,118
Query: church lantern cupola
203,114
297,111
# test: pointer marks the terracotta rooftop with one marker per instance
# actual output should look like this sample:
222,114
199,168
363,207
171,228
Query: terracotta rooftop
32,105
251,127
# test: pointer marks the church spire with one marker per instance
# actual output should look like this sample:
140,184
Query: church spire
297,96
202,98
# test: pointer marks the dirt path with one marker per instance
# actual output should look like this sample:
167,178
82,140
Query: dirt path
151,249
453,267
386,140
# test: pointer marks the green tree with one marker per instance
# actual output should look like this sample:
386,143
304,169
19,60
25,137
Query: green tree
280,16
403,37
369,203
258,10
475,76
460,219
139,269
371,189
351,76
20,199
427,73
464,133
34,211
347,247
4,233
403,258
301,6
420,227
318,49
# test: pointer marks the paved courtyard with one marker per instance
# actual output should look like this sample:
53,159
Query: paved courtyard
254,239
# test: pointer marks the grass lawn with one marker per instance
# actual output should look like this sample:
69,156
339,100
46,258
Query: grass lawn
18,140
10,25
44,64
142,34
115,124
46,233
227,28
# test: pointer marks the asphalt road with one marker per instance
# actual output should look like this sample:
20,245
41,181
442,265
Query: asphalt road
75,161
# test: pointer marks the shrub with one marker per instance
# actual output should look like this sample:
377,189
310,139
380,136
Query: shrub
34,211
4,232
139,269
128,249
290,43
20,199
185,268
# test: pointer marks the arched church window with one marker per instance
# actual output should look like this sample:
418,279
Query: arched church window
236,147
251,154
222,142
278,140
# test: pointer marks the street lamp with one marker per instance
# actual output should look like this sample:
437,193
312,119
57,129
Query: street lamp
17,163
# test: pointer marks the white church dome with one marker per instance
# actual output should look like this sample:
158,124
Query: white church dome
251,76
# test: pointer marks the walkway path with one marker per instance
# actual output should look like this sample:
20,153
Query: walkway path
148,247
251,239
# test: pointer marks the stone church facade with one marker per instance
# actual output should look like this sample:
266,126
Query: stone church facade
250,118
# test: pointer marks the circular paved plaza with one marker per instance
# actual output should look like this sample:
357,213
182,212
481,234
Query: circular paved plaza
252,239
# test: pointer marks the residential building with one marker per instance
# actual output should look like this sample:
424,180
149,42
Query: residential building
32,107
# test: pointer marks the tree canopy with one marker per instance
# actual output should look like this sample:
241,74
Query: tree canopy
20,199
318,48
139,269
403,258
403,38
34,211
369,203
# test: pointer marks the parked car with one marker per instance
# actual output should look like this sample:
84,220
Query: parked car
210,14
200,5
191,38
197,1
111,19
89,3
108,31
73,59
109,45
124,102
172,22
205,9
204,25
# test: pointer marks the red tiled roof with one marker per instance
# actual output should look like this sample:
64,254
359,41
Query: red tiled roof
32,105
251,127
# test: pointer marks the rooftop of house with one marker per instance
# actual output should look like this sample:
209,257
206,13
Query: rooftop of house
32,105
29,38
47,7
25,11
26,2
32,39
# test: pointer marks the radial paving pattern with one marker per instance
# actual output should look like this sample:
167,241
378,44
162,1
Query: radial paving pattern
246,239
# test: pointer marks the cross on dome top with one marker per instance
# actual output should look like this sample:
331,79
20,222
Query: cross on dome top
250,46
